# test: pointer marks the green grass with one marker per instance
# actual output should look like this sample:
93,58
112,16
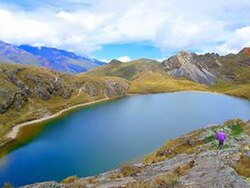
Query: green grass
147,82
236,129
209,139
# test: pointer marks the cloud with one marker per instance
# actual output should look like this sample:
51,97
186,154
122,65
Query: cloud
240,39
172,25
124,59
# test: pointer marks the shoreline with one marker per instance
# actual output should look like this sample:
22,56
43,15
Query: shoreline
13,133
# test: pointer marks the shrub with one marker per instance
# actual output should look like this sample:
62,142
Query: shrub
183,168
209,139
236,129
7,185
243,166
168,180
70,179
129,170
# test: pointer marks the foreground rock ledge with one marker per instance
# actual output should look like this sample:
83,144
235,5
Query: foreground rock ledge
201,165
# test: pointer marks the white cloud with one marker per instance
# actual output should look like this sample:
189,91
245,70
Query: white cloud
124,59
214,25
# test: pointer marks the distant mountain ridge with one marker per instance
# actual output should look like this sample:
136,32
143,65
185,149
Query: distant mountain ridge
206,69
53,58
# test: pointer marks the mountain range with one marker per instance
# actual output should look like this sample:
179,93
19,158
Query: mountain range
207,69
52,58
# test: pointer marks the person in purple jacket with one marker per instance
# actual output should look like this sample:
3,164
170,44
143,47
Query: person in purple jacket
221,137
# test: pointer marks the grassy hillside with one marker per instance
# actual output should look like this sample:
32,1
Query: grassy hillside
127,70
147,82
236,70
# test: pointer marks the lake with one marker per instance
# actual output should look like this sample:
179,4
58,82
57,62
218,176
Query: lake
100,137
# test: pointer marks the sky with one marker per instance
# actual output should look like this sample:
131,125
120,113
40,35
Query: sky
128,29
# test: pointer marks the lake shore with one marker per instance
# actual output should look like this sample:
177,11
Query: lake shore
15,130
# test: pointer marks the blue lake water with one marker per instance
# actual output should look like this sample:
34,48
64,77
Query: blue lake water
100,137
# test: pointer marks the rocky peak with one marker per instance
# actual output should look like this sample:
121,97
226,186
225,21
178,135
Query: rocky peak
183,53
245,51
187,65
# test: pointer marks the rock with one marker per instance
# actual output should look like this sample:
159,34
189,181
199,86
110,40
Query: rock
6,98
90,89
50,184
212,173
189,142
113,88
193,67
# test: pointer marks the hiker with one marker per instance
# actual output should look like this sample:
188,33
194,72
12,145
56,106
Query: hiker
221,137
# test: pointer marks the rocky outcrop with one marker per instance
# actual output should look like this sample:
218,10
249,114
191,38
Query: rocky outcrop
19,86
198,68
108,88
245,51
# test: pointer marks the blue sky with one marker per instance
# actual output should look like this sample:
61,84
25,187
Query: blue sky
108,29
133,50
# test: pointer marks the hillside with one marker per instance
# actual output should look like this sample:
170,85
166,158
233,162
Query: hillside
192,160
127,70
52,58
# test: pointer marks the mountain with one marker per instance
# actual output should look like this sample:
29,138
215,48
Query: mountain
198,68
208,69
245,51
62,60
55,59
13,54
228,74
126,70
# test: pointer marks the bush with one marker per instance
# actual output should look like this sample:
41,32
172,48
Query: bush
129,170
183,168
7,185
243,166
209,139
236,129
70,179
168,180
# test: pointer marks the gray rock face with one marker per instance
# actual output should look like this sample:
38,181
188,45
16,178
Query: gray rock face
107,88
113,88
6,99
48,86
213,172
198,68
